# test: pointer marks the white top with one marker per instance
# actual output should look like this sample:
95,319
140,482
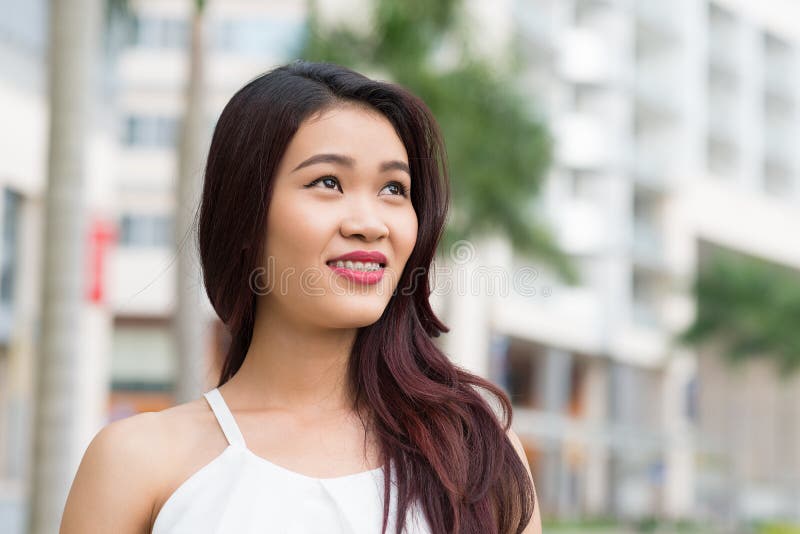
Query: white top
239,492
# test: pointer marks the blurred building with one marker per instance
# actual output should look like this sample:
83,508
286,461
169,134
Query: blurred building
674,125
22,177
243,39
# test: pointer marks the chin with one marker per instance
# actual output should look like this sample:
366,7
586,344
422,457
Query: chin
356,316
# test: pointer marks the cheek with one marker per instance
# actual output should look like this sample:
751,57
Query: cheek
291,229
283,236
405,230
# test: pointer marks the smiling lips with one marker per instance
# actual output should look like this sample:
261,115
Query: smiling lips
362,256
360,266
361,277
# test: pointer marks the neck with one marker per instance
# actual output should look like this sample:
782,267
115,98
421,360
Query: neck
295,367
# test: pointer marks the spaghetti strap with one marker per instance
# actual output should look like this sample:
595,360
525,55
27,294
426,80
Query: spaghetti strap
224,417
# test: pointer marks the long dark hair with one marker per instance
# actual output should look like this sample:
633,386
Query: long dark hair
448,445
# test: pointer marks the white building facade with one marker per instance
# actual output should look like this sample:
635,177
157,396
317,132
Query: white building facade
674,124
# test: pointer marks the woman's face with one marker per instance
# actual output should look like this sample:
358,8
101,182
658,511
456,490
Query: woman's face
339,189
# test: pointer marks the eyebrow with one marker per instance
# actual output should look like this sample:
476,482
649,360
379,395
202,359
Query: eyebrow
347,161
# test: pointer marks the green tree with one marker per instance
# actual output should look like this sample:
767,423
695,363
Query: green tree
751,307
497,151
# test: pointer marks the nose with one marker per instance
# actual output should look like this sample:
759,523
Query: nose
363,222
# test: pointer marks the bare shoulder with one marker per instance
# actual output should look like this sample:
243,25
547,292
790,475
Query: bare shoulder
113,489
127,468
517,443
535,524
191,439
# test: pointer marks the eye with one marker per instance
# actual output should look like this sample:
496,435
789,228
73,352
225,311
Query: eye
400,189
326,180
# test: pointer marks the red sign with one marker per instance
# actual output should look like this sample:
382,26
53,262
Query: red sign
101,234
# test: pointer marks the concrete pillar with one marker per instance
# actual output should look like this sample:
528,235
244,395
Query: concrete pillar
751,139
596,488
467,343
554,389
554,382
679,484
498,360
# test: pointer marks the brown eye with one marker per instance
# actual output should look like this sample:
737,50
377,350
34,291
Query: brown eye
399,188
327,180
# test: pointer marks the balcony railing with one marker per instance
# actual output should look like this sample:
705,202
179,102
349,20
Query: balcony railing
535,23
658,20
655,94
722,49
648,246
780,77
780,143
652,169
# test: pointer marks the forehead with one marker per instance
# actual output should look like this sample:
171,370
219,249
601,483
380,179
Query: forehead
364,134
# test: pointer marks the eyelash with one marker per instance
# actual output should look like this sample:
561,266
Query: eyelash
400,185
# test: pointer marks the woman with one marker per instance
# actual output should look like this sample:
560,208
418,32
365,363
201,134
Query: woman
325,196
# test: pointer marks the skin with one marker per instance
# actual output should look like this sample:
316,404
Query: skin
303,332
290,397
535,524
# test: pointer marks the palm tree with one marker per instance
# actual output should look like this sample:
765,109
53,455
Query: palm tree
74,29
189,318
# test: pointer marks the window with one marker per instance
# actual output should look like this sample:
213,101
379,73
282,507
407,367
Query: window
154,32
690,399
778,178
142,355
138,230
585,184
24,24
151,131
251,36
11,203
258,37
723,158
9,252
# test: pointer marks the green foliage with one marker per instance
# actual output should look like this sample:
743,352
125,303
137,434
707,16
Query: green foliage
609,525
589,524
778,528
751,306
497,152
647,524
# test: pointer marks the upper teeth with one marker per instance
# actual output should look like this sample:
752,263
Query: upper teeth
358,265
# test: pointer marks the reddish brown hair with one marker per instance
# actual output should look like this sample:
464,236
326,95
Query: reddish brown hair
450,449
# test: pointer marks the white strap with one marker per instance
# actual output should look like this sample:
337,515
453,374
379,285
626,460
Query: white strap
224,417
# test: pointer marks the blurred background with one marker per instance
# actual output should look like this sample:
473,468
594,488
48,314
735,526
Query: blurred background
625,218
